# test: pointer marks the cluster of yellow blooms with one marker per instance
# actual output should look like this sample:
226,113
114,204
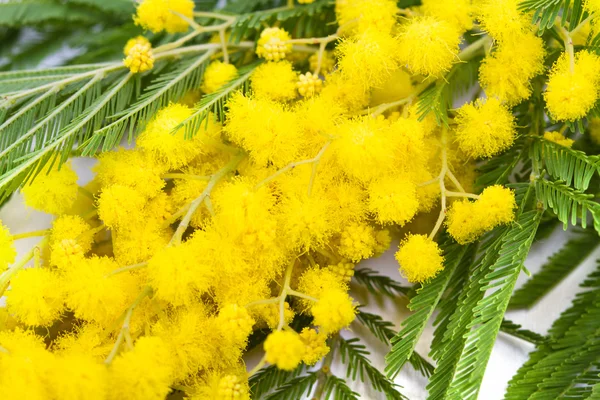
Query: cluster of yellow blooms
155,274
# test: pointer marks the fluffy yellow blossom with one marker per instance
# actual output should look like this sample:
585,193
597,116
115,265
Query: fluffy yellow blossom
231,387
356,16
333,311
467,221
177,277
383,239
316,345
315,282
484,128
65,253
144,373
85,338
71,227
369,58
458,13
309,84
139,58
558,138
35,296
54,190
274,81
343,270
327,62
269,313
397,86
344,92
502,19
428,46
168,147
7,248
159,15
266,129
93,293
236,322
118,205
420,258
133,168
139,242
78,376
393,200
284,349
272,44
573,86
133,41
307,221
217,74
506,74
357,242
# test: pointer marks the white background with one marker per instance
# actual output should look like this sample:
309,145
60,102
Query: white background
509,353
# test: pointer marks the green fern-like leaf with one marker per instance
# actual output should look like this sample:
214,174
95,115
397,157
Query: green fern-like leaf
296,388
15,13
336,388
546,12
489,311
571,166
379,284
567,363
559,265
568,204
516,330
423,304
270,378
498,169
354,356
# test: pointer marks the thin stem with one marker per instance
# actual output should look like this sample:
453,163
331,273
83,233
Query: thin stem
325,369
455,181
215,178
568,41
6,276
292,292
460,194
284,291
263,302
581,25
86,193
186,176
380,109
471,50
25,235
442,184
224,45
316,162
128,268
124,332
258,366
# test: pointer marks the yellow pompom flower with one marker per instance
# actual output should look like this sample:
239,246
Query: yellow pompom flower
496,206
343,270
334,311
217,74
78,376
484,128
357,16
368,59
420,258
284,349
357,242
309,84
461,223
573,86
7,248
272,44
53,191
502,19
316,345
393,200
144,373
159,15
139,58
316,282
592,6
231,387
459,13
35,296
274,81
118,206
506,74
345,93
327,62
235,322
170,148
177,276
71,227
428,46
558,138
133,41
383,239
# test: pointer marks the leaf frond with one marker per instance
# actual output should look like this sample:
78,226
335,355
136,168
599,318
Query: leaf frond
379,284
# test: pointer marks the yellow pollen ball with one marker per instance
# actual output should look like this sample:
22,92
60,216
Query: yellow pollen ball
458,12
7,248
284,349
334,311
133,41
357,242
484,128
139,58
420,258
231,387
272,44
309,84
53,191
217,74
274,81
558,138
316,345
428,46
159,15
